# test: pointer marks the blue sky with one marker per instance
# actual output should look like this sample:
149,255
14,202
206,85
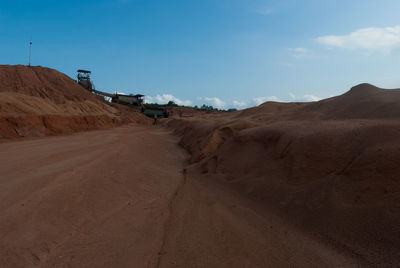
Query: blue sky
227,53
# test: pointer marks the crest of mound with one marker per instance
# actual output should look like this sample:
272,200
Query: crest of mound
363,101
270,111
38,90
41,82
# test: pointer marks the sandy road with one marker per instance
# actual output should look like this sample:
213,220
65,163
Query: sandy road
95,199
119,198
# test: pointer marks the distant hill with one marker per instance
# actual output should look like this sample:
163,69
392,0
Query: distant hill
362,101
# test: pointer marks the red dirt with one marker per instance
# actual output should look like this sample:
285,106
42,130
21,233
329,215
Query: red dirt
94,199
121,198
37,101
329,168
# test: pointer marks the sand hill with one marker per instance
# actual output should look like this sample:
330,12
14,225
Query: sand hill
37,101
330,168
362,101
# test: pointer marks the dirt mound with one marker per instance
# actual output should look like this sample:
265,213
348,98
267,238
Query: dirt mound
41,82
37,101
39,90
362,101
335,179
129,115
270,110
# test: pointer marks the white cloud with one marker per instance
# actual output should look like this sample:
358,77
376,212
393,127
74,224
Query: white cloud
214,101
300,52
239,103
273,98
260,100
306,97
309,97
384,40
165,98
220,104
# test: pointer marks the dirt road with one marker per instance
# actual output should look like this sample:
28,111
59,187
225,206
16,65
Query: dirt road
120,198
95,199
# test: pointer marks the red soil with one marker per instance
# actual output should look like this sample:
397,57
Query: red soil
37,101
330,168
94,199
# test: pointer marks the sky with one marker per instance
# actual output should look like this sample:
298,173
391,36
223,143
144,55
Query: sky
224,53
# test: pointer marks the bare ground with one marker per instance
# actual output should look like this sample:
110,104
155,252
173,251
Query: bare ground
211,226
96,199
123,198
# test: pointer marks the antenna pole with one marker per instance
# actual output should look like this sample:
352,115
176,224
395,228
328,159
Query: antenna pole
30,52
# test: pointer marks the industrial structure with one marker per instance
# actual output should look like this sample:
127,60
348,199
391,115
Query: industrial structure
83,79
135,100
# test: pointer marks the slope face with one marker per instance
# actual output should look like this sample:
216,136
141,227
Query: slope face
43,91
329,167
37,101
41,82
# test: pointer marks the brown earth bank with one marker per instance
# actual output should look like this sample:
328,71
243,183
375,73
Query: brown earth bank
37,101
330,168
48,125
123,198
